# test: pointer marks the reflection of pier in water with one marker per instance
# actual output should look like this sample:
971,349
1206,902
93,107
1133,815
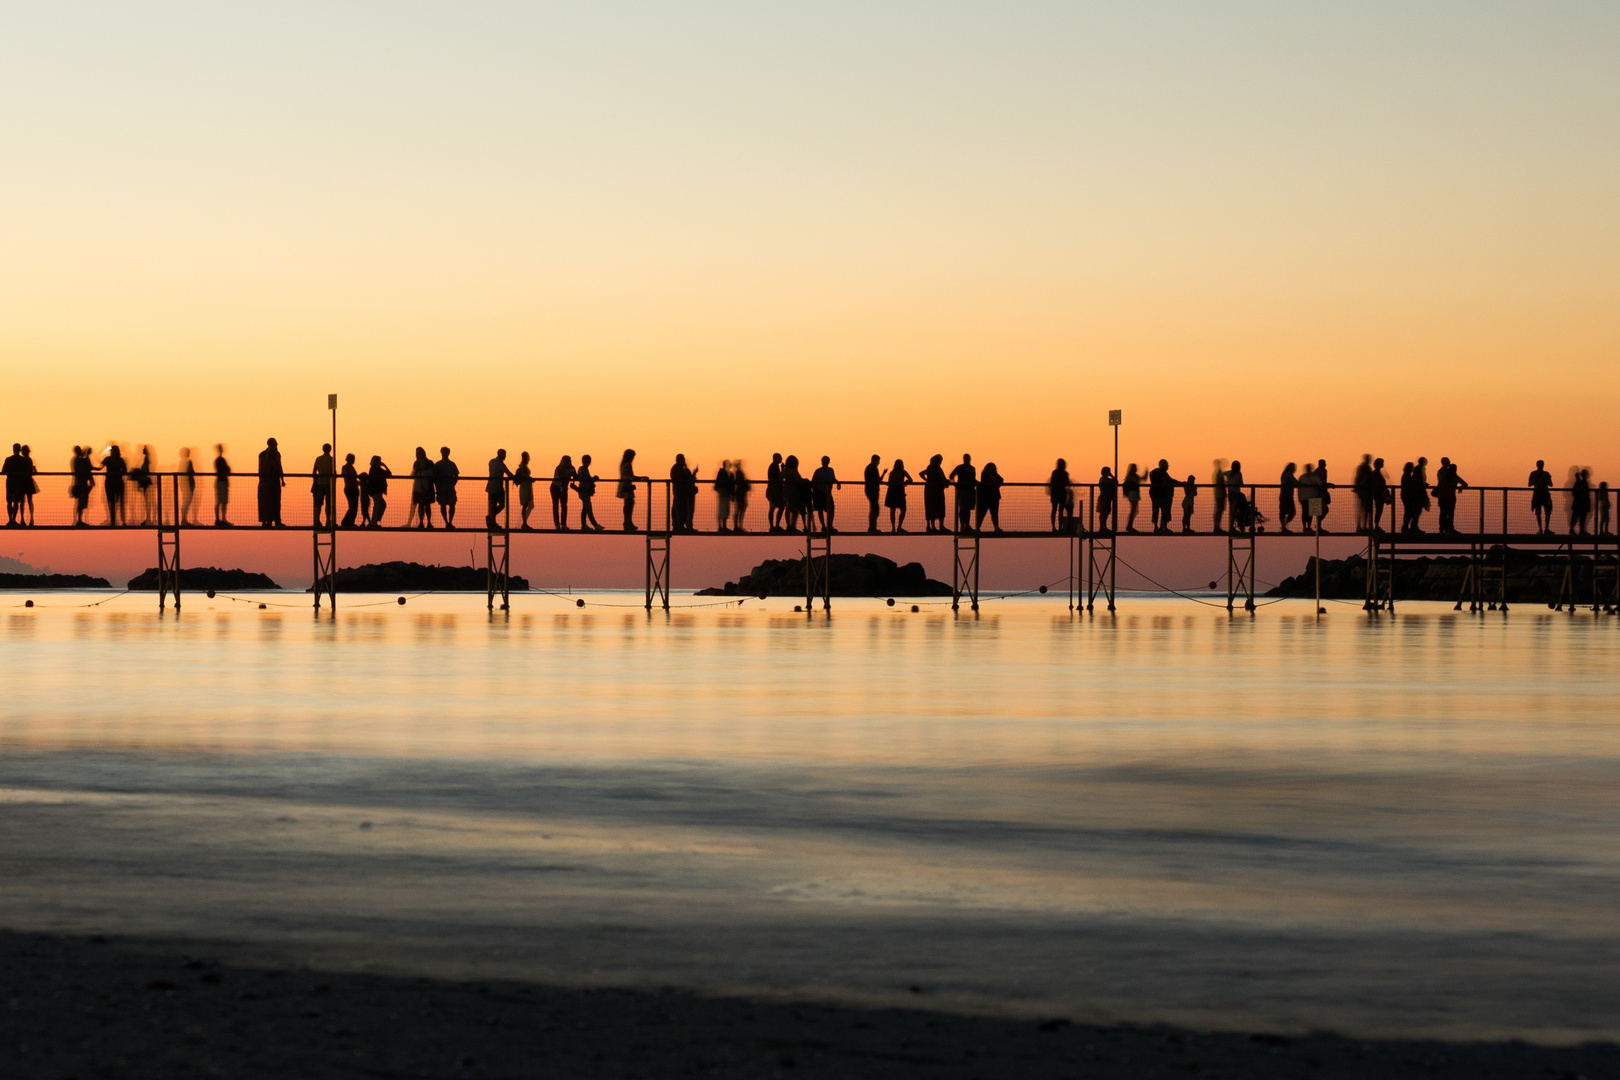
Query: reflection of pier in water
1489,520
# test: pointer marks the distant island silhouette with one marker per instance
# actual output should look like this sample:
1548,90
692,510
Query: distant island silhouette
53,581
851,575
417,577
1531,578
200,578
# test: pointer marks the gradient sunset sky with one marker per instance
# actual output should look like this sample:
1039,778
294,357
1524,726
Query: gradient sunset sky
1269,230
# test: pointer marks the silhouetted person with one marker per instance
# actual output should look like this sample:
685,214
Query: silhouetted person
873,483
495,489
271,481
325,471
1361,486
1107,496
795,494
988,499
1421,471
188,485
1309,489
1217,487
724,486
626,491
112,487
1189,500
376,486
585,485
1060,490
1602,524
1541,497
1411,497
1580,501
1446,485
1287,492
561,478
1131,488
13,471
895,497
775,498
1161,493
420,513
934,483
740,487
1381,495
822,482
1327,491
222,485
84,481
30,484
523,480
351,491
966,479
683,488
1241,514
446,474
142,474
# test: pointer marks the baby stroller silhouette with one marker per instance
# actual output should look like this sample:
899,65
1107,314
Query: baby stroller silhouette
1244,516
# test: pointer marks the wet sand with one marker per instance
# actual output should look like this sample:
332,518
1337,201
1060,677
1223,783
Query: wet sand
91,1007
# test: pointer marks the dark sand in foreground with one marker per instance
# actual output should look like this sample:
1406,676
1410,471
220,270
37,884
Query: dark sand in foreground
96,1007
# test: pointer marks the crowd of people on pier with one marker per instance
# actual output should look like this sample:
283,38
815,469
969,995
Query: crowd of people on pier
959,500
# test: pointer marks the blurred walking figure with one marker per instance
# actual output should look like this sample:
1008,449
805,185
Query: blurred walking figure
683,490
323,487
1161,493
351,491
774,496
723,489
495,489
112,487
1217,487
1580,501
822,482
222,485
740,485
1189,500
934,483
626,491
1132,489
895,497
377,489
1446,485
988,498
446,474
585,485
271,481
142,475
1060,490
188,485
13,470
1287,490
420,513
1310,488
523,480
1602,524
562,477
84,480
873,482
1541,497
1107,493
967,488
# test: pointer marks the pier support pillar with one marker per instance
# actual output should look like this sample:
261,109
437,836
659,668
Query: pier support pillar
168,537
965,569
817,570
1100,563
498,553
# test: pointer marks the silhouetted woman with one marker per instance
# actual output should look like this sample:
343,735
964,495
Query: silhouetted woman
989,498
377,487
724,488
740,486
1061,491
1132,489
84,480
30,484
188,485
222,485
142,475
773,493
1602,523
561,477
1217,487
112,488
1286,504
1580,501
627,489
1107,492
271,481
585,485
895,497
935,481
1411,497
351,492
793,495
421,510
523,480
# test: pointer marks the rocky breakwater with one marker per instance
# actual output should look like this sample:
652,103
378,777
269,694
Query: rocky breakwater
851,575
1531,578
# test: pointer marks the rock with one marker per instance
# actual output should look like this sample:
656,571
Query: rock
852,575
52,581
415,577
203,578
1531,578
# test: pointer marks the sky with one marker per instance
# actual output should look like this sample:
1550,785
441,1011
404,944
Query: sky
1269,231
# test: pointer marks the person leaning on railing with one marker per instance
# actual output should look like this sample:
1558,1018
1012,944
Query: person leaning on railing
626,490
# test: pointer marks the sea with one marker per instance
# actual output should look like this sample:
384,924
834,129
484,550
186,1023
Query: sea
1372,823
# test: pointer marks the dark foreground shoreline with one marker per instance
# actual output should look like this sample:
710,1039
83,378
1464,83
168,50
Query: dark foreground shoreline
129,1007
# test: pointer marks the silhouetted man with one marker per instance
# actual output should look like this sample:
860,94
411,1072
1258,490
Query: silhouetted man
1161,493
222,485
966,479
445,475
683,486
1287,490
822,482
1446,484
13,471
271,481
1060,490
322,487
1541,497
1107,491
874,490
351,490
495,488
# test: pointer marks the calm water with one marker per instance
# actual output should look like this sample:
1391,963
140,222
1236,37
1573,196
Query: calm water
1373,825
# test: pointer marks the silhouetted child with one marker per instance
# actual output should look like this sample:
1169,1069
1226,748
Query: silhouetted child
1189,496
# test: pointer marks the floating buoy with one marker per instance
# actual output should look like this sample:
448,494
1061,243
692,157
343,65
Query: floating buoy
1043,590
915,609
262,607
210,594
28,603
579,603
402,601
763,596
891,601
798,607
1212,585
